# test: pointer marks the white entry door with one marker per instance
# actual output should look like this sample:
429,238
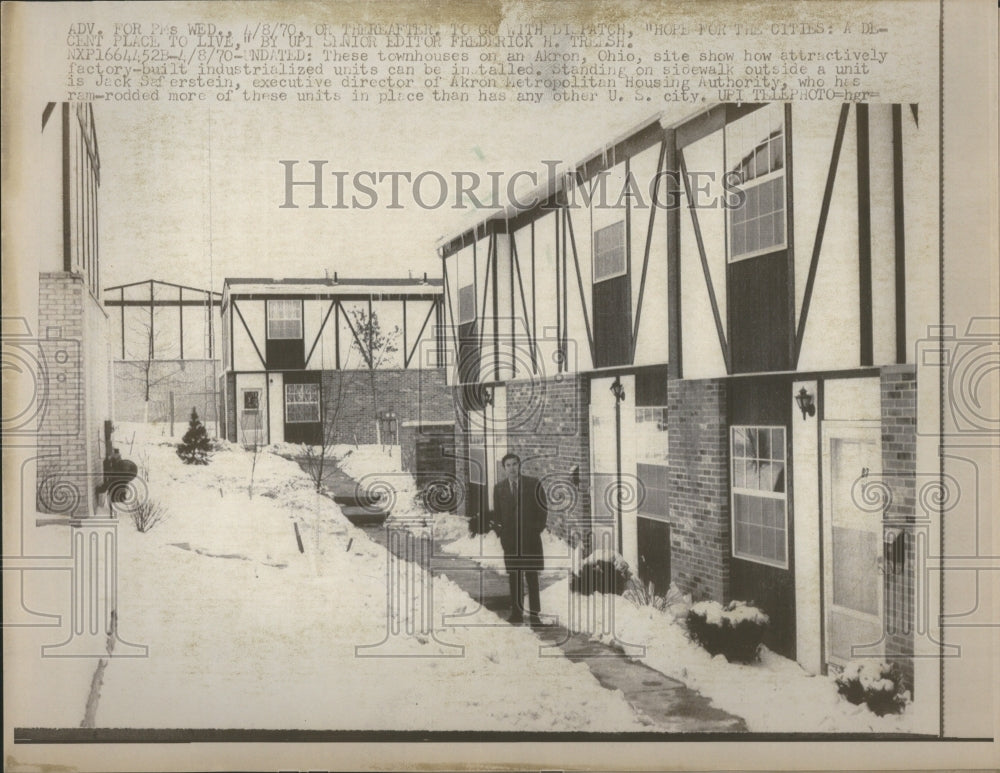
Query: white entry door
852,540
251,417
606,442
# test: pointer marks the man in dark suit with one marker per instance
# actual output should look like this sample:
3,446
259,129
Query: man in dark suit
520,512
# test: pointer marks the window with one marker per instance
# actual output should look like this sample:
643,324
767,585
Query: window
756,143
651,434
609,251
284,319
760,525
251,400
301,403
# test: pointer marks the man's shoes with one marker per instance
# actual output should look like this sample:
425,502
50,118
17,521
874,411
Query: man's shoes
515,618
535,621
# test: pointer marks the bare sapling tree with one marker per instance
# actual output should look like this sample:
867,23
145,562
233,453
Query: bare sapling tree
155,367
377,346
316,456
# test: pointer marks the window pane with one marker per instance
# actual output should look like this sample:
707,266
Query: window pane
764,444
753,238
778,479
739,238
759,527
777,193
777,146
762,158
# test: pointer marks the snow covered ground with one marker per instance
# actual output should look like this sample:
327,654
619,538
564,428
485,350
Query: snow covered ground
774,695
245,631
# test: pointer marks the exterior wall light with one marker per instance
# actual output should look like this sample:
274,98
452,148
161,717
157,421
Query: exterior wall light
806,403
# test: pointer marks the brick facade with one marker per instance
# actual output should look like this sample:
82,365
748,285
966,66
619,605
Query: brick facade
414,395
554,442
74,388
899,454
698,487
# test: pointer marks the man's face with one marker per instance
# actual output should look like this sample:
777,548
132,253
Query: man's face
513,468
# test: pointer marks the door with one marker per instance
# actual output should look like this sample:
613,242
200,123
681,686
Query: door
251,431
612,449
852,541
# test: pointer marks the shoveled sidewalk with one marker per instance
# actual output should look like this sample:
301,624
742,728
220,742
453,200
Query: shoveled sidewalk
670,705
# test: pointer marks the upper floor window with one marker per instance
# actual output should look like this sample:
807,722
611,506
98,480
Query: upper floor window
284,319
755,151
609,251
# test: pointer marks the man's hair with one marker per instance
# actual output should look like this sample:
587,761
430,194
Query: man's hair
509,455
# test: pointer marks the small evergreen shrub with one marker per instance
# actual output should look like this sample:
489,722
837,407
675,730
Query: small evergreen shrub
603,571
195,446
735,631
879,685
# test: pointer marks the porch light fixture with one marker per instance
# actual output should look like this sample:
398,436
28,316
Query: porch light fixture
618,390
806,403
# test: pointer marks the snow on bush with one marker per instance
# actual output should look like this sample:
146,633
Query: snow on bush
877,684
603,571
673,601
735,631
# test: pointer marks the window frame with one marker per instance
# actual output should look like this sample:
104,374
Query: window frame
286,303
757,182
624,248
288,403
759,493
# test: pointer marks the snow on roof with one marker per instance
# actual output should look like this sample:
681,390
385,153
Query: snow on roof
331,286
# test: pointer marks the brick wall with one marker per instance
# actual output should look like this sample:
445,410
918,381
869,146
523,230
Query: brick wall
698,487
74,387
554,441
415,395
899,454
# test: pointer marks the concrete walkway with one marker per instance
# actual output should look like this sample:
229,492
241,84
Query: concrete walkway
669,705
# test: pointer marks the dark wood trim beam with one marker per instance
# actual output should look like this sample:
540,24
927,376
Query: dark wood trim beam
673,225
824,212
529,327
416,341
723,345
260,356
645,257
319,335
583,298
900,231
864,238
789,231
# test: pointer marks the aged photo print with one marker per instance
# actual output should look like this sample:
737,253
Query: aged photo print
539,386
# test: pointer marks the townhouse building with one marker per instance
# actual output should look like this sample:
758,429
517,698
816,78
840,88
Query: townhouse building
703,337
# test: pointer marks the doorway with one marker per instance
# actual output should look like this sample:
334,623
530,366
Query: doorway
852,541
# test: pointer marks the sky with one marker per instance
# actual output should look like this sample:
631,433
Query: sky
193,194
